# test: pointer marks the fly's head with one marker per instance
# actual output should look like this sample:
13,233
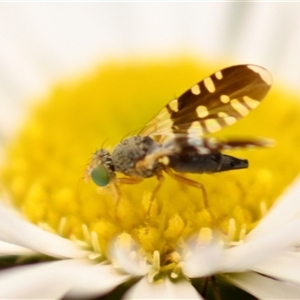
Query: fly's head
101,168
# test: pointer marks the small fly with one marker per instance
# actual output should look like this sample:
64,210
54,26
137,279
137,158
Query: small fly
174,141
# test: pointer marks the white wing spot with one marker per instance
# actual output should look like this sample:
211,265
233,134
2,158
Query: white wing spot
219,75
222,114
202,111
212,143
195,140
174,105
239,107
230,120
209,84
224,98
212,125
251,102
203,150
196,89
264,74
195,129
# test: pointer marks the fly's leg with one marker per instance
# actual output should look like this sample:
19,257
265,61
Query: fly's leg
160,179
197,185
128,180
190,182
124,180
117,192
136,180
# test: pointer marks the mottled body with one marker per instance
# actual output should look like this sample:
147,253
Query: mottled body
130,151
184,159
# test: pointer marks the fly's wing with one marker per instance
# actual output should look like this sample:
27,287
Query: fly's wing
207,145
217,101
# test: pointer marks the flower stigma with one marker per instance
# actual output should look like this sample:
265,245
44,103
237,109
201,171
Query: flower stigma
46,162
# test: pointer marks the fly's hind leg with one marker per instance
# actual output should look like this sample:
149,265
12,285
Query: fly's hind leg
160,179
197,185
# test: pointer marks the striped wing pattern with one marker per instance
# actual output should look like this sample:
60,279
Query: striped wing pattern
217,101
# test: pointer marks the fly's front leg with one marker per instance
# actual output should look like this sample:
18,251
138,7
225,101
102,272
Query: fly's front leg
160,179
115,185
128,180
125,180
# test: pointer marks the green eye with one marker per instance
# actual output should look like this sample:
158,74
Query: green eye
100,175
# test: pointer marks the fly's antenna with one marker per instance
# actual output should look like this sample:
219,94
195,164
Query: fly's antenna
103,143
128,134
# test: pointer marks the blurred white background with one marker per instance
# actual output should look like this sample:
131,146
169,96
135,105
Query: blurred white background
40,43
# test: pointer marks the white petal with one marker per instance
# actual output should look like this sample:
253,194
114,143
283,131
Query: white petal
264,287
203,261
10,249
39,281
163,290
207,260
286,208
53,280
128,259
95,280
285,266
15,230
249,254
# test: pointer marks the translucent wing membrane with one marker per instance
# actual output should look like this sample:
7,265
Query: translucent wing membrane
214,103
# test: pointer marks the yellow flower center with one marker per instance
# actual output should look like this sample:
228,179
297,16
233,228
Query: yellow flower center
46,163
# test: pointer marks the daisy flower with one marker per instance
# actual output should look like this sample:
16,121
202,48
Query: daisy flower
70,239
64,238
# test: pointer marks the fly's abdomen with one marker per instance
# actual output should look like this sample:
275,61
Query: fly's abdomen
193,162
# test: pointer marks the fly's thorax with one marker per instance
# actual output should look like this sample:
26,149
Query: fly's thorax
101,168
135,150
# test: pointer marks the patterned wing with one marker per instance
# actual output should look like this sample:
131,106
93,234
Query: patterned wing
212,104
209,144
